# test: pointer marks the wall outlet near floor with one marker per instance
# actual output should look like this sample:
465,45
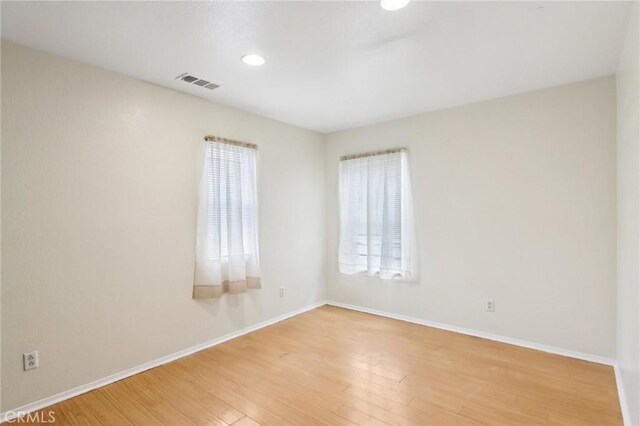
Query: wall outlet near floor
281,291
30,360
491,305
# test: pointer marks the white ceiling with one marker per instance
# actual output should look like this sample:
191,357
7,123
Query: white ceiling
334,65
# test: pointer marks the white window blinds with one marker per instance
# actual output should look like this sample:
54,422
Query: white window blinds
227,238
230,175
376,220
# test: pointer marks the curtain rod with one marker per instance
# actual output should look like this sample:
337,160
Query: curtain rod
372,154
211,138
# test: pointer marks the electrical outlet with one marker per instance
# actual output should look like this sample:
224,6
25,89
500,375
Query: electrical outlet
281,291
491,305
30,360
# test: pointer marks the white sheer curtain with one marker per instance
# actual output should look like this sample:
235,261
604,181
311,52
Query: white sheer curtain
227,235
376,216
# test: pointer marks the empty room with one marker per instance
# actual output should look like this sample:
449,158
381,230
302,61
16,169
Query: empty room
379,212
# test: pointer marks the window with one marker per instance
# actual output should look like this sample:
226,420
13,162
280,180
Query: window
230,181
227,235
376,221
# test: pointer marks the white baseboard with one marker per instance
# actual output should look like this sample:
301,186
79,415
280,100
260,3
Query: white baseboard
38,405
624,406
482,334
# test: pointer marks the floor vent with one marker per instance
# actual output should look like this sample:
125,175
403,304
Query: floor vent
197,81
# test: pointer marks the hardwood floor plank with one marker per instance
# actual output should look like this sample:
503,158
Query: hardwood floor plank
358,417
246,421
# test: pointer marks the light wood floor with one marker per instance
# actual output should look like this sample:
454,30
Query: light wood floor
335,366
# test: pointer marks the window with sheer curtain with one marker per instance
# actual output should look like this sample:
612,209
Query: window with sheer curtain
376,216
227,234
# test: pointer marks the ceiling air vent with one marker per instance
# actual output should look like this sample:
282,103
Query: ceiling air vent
197,81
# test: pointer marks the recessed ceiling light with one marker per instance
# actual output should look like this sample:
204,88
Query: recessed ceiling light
253,60
393,4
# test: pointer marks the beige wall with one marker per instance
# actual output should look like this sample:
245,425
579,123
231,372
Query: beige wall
629,218
99,187
515,200
0,231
